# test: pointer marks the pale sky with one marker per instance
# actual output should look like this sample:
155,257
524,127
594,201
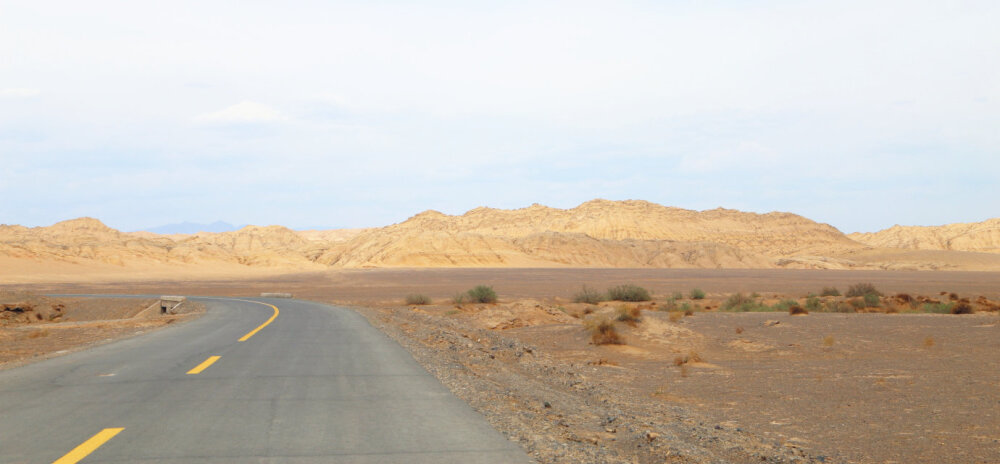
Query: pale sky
860,114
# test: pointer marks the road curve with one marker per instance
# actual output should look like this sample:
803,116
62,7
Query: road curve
318,384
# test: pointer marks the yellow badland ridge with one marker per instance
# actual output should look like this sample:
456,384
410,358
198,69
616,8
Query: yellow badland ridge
597,233
982,237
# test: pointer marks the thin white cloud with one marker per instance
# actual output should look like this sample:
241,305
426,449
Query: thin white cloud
245,112
12,93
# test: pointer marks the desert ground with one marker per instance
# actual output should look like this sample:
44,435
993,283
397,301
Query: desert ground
34,326
714,386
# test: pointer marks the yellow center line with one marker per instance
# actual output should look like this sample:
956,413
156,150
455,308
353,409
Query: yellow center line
254,331
89,446
204,365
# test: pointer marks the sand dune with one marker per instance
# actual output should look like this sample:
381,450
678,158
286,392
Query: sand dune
599,233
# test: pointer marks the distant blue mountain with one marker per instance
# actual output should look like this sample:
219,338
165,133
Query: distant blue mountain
193,228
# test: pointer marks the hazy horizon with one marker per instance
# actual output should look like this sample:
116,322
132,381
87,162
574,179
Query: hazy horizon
309,114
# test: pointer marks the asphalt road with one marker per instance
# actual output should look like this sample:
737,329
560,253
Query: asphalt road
317,384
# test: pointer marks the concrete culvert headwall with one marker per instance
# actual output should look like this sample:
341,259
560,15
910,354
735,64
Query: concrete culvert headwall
275,295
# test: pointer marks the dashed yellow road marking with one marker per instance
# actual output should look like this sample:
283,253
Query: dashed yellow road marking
204,365
89,446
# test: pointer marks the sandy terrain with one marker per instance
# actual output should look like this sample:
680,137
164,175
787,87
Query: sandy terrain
34,327
826,387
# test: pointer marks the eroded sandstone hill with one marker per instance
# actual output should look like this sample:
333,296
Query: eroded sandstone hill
598,233
983,237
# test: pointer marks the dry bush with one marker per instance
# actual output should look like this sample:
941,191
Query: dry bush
797,311
962,308
903,298
603,332
417,299
589,296
743,303
840,307
675,316
828,340
862,290
628,292
629,314
482,294
953,296
829,291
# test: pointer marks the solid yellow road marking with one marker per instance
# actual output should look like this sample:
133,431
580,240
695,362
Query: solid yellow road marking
88,446
254,331
204,365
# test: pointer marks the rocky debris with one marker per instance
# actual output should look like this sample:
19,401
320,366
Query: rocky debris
566,412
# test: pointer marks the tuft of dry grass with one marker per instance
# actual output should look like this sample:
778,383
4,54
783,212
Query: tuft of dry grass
589,296
417,299
603,332
828,340
928,342
628,314
797,311
691,357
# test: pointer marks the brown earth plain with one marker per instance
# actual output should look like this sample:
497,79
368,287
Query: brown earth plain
712,367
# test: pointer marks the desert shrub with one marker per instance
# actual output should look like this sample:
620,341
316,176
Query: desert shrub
797,310
953,296
628,292
839,307
785,305
697,294
829,291
677,296
857,303
742,303
482,294
939,308
872,300
962,308
459,298
862,289
603,332
687,309
629,314
417,299
588,295
813,304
